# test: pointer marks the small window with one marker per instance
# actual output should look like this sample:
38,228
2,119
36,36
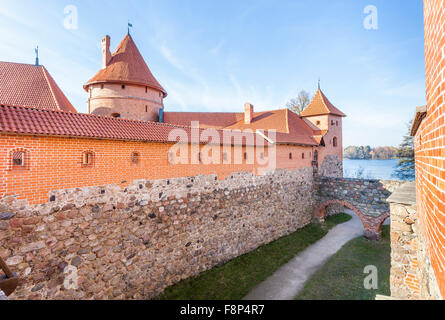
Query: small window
116,115
332,122
302,155
88,159
245,155
146,89
135,157
200,157
146,108
335,142
101,86
123,87
18,159
318,123
290,156
336,123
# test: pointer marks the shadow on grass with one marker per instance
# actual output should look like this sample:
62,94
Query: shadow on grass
236,278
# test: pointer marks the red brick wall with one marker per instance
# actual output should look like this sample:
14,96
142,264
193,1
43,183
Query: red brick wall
55,163
430,143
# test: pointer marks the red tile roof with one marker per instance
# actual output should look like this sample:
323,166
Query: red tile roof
274,119
31,121
206,119
290,128
299,131
126,66
320,105
30,86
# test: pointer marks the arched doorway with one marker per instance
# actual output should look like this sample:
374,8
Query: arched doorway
371,224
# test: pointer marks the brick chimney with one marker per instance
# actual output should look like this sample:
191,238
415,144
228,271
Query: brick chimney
248,113
106,54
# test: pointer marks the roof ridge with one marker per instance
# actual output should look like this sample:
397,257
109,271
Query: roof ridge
110,118
323,97
31,85
51,89
34,121
226,112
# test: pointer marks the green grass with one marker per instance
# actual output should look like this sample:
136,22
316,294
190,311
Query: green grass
236,278
341,278
337,219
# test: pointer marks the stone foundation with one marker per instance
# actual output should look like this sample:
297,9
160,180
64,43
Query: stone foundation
109,243
412,277
332,167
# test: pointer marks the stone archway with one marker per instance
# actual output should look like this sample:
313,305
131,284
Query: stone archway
371,224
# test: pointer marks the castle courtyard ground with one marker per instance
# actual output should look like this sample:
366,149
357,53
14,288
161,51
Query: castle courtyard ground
237,278
342,276
317,262
290,279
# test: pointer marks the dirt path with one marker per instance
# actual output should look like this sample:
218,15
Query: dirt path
289,280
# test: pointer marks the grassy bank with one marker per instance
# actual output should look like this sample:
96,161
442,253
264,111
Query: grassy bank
341,278
233,280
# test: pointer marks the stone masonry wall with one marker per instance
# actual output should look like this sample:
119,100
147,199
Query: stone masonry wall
332,167
112,243
412,276
367,198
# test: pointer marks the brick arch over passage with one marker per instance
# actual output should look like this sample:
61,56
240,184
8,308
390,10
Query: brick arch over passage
371,224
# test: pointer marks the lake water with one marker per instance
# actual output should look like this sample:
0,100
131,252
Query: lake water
372,169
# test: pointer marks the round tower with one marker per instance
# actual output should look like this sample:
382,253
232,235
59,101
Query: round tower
125,86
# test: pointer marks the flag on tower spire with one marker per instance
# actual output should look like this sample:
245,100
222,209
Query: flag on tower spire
129,26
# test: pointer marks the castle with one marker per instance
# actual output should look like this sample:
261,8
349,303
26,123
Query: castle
127,135
130,191
91,207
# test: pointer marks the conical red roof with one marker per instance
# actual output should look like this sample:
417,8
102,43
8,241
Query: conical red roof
320,105
127,66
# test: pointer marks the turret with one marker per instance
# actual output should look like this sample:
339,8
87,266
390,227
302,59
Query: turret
125,86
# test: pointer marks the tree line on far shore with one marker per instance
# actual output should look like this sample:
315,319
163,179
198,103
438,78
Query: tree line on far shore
368,153
405,169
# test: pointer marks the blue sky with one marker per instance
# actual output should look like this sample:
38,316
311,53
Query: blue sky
217,55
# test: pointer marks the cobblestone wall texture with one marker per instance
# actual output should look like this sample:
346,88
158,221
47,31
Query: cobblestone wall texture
412,276
112,243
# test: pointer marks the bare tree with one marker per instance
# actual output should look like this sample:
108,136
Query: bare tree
299,103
